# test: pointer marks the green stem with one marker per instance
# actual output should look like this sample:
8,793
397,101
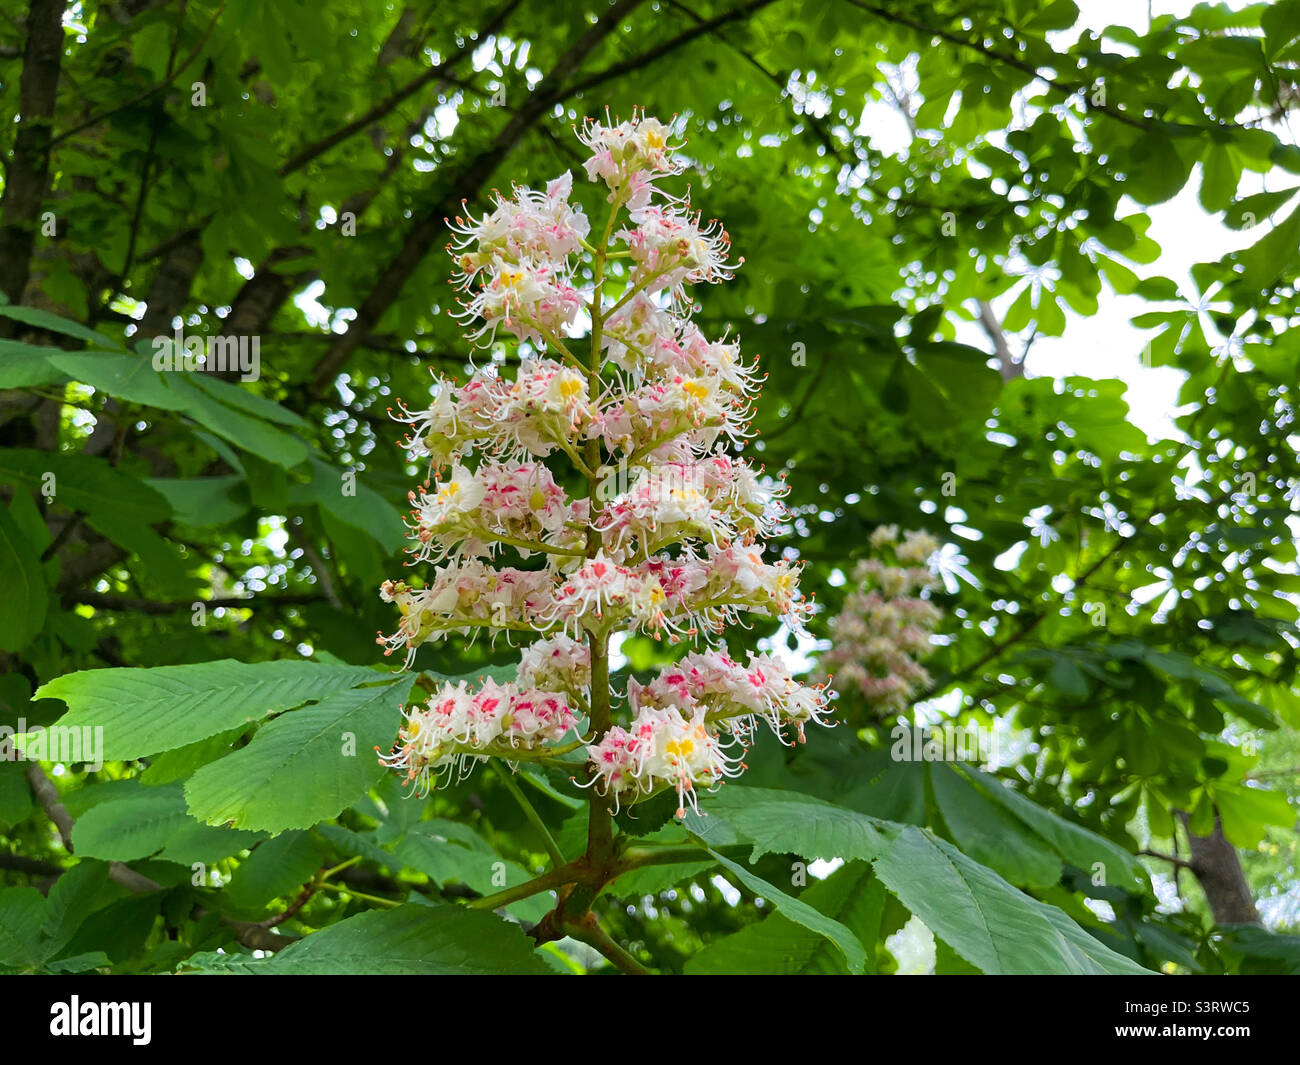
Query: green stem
554,340
338,868
534,818
352,893
670,854
598,939
600,822
641,286
577,460
537,546
565,874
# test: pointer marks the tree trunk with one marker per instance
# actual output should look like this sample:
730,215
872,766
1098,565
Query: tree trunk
1217,868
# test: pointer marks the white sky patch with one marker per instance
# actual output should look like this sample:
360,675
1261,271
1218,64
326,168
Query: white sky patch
823,867
729,893
913,948
1101,908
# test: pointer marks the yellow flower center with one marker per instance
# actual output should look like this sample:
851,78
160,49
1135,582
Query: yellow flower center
679,748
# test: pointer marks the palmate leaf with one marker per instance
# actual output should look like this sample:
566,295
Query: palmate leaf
984,919
304,766
145,711
410,940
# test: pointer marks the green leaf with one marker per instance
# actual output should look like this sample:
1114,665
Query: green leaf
1074,843
194,843
204,501
181,762
364,509
801,913
990,835
144,711
84,483
252,433
1252,210
53,323
1247,812
1067,678
787,822
277,868
233,395
15,794
22,912
1257,950
410,940
1273,255
350,843
81,963
127,377
778,946
28,366
75,895
1156,171
145,821
983,918
23,582
303,767
1053,15
127,829
448,852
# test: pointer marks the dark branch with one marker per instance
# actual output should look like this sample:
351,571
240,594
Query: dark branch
29,170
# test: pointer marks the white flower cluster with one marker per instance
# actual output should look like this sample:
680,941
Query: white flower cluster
666,538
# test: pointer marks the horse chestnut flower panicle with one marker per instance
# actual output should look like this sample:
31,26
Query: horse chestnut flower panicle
665,539
883,632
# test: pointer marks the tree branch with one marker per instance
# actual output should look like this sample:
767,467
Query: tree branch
307,154
1061,87
29,170
151,606
253,936
1011,369
148,93
426,232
